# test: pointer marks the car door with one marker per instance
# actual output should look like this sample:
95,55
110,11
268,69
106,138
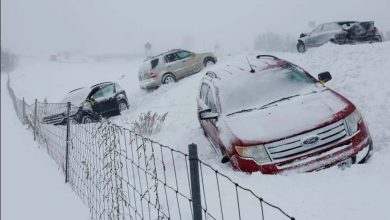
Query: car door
188,62
208,101
313,39
104,100
173,64
328,32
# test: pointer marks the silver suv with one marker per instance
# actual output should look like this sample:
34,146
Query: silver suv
171,66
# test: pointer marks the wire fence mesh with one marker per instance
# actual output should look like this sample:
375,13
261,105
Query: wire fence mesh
120,174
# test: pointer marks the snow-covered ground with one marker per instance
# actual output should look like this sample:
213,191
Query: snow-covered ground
360,73
32,186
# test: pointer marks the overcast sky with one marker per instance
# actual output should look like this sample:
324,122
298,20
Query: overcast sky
124,26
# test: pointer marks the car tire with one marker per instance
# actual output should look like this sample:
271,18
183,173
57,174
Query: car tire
122,106
376,40
369,153
168,78
208,61
301,47
86,119
225,158
338,42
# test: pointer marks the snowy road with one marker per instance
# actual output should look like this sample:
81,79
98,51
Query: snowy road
360,73
32,186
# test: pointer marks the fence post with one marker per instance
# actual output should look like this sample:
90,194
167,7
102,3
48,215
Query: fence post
67,142
195,184
24,111
35,119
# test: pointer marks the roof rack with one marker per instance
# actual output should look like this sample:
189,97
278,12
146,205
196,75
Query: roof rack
265,55
76,89
154,57
100,84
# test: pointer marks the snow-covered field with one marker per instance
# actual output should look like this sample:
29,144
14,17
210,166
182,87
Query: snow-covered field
360,72
32,186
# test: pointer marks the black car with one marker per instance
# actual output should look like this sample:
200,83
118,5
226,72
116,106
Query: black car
89,104
343,32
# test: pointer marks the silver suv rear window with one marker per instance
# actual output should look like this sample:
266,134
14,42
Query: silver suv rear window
154,63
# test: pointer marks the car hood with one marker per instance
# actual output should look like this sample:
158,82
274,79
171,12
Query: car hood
288,118
77,96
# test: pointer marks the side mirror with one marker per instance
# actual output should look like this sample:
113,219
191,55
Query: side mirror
324,77
90,100
303,35
207,114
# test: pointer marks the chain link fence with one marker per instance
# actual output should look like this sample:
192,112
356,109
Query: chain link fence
120,174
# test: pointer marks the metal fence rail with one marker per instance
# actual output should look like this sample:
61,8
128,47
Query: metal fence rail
119,174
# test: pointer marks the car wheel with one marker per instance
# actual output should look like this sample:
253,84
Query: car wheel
301,47
86,119
208,62
225,158
122,106
73,121
369,153
168,79
376,40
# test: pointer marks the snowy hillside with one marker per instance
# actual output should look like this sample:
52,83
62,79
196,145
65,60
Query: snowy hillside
360,72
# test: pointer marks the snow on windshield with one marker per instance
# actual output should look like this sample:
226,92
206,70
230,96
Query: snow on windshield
255,90
77,96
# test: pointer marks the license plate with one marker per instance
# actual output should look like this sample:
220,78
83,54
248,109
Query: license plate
344,164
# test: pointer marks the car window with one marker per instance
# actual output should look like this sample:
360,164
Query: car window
318,29
154,63
171,57
331,27
183,54
210,102
106,91
203,91
296,74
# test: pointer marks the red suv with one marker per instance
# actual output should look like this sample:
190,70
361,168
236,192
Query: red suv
270,115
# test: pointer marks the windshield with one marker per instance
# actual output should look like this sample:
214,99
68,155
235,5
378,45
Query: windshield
76,96
263,87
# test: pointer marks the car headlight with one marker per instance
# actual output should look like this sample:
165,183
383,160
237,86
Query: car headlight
352,121
256,152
